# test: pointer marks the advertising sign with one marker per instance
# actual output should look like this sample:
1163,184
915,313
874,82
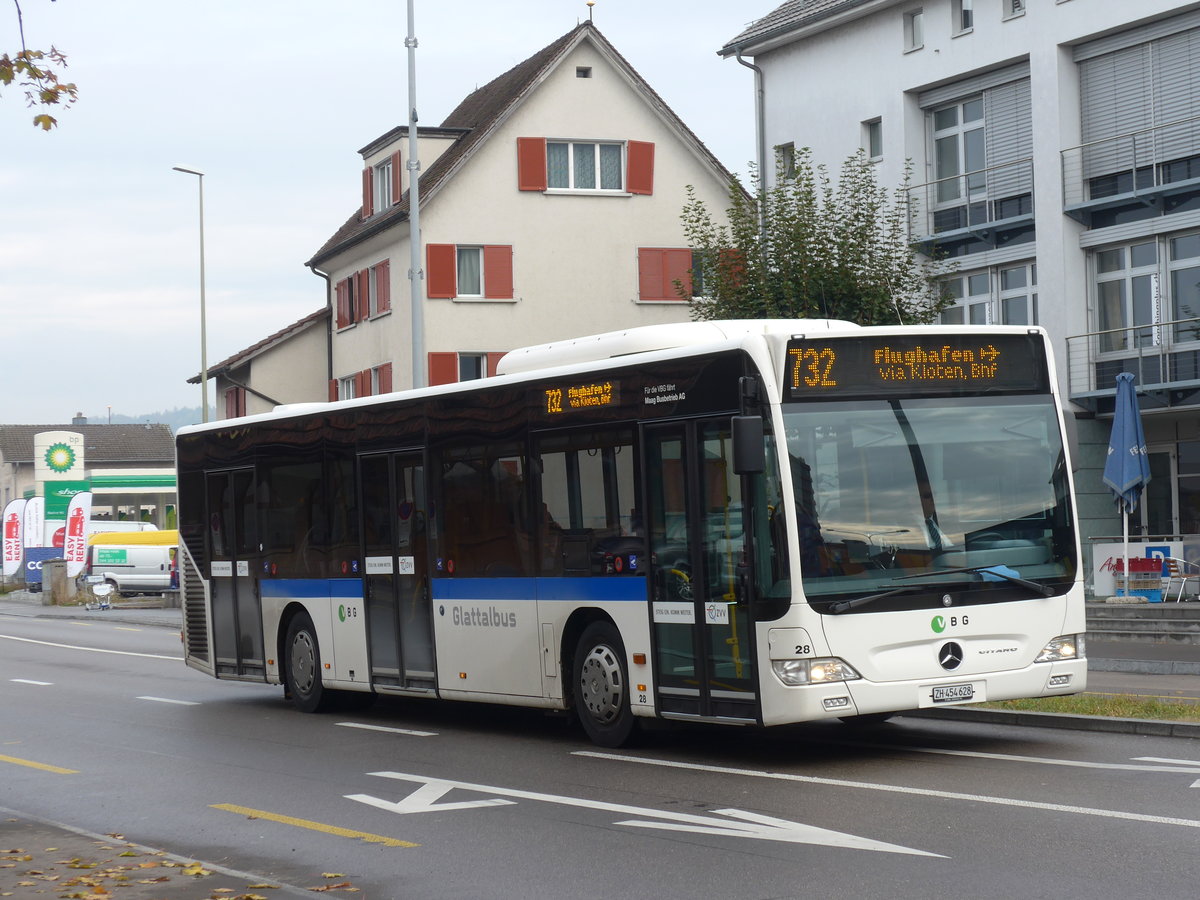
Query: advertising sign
75,544
35,522
14,546
34,557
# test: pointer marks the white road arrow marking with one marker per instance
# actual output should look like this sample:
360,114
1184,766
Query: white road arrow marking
739,823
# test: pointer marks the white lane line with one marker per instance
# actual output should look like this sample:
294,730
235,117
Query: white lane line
407,731
897,789
1163,759
31,681
1040,760
168,700
9,637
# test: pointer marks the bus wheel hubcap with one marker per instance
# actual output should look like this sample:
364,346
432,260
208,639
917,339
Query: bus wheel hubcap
303,663
600,684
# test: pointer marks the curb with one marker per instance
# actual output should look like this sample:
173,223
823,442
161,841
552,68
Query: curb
1152,727
1144,666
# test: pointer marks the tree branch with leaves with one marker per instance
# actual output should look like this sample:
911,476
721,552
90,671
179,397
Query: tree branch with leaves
809,247
37,73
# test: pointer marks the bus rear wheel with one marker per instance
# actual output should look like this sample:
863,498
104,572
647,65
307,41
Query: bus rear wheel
601,683
302,666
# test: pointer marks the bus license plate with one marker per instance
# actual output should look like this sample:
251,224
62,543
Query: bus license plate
953,693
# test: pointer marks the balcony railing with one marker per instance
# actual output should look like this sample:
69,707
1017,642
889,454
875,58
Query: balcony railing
1140,166
1164,357
974,204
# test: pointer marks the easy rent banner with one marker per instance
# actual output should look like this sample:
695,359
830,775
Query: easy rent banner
14,521
75,544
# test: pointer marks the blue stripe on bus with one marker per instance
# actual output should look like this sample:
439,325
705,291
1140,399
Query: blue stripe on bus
310,588
576,590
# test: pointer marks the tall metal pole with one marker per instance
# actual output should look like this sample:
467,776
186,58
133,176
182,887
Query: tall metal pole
203,324
415,275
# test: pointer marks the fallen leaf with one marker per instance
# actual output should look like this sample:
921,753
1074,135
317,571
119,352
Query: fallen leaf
196,870
333,874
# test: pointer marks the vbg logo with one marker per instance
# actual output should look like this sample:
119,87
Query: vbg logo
941,623
938,624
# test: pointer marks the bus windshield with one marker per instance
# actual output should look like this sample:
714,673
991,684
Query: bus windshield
921,496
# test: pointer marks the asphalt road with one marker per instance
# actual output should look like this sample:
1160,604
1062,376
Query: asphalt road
104,729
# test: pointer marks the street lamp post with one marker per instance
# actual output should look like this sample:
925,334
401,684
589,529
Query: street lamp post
203,329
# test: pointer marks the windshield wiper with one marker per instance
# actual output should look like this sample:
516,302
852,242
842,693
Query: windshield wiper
996,569
842,605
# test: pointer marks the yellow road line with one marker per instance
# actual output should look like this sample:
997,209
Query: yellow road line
37,765
314,826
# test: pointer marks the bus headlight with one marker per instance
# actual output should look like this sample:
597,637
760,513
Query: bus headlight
1064,647
813,671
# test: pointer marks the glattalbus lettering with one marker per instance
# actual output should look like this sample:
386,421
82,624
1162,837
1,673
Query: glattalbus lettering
474,617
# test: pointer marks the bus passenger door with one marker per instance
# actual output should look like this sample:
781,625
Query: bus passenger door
233,556
398,606
702,625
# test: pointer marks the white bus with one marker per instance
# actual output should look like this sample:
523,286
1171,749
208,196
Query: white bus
750,522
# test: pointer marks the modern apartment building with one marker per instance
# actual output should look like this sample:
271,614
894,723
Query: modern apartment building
1054,151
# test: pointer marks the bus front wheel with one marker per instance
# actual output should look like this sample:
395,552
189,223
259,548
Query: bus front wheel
601,684
302,661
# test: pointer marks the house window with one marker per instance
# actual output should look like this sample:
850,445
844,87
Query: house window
380,288
381,379
471,366
1014,8
873,138
448,367
972,300
382,182
583,71
347,291
584,166
235,402
1127,287
959,160
470,271
964,16
785,161
347,387
914,29
662,273
1018,295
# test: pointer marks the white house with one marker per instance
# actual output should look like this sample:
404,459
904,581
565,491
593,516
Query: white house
1055,153
550,204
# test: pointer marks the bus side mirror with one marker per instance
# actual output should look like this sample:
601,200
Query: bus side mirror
749,445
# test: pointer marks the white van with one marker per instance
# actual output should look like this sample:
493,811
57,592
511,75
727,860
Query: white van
134,562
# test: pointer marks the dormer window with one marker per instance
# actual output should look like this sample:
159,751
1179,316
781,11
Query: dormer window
382,181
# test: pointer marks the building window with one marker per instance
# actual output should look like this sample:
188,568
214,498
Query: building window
1002,295
471,366
470,272
347,387
959,159
873,138
662,273
382,182
235,402
964,16
1127,286
914,29
785,161
1014,8
448,367
584,166
379,288
583,71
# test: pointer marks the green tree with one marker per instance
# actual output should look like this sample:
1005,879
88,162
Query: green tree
36,72
811,248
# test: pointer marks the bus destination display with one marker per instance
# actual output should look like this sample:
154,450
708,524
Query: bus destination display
912,365
587,395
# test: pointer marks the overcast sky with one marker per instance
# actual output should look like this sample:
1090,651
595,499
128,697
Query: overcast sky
99,239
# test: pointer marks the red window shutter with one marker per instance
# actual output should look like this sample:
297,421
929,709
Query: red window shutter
383,286
397,183
385,378
333,389
651,266
640,168
362,294
441,262
531,164
443,368
493,360
367,193
678,268
231,403
498,272
343,303
362,383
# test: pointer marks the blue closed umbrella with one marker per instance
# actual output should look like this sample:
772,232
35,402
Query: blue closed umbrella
1127,469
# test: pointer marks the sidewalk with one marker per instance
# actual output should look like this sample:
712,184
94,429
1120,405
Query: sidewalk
48,859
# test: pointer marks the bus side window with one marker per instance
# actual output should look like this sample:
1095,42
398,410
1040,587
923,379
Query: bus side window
587,494
485,525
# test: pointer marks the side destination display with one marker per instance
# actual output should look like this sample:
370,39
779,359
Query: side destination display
944,364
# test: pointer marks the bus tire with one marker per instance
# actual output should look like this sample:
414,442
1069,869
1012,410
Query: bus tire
601,682
302,666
